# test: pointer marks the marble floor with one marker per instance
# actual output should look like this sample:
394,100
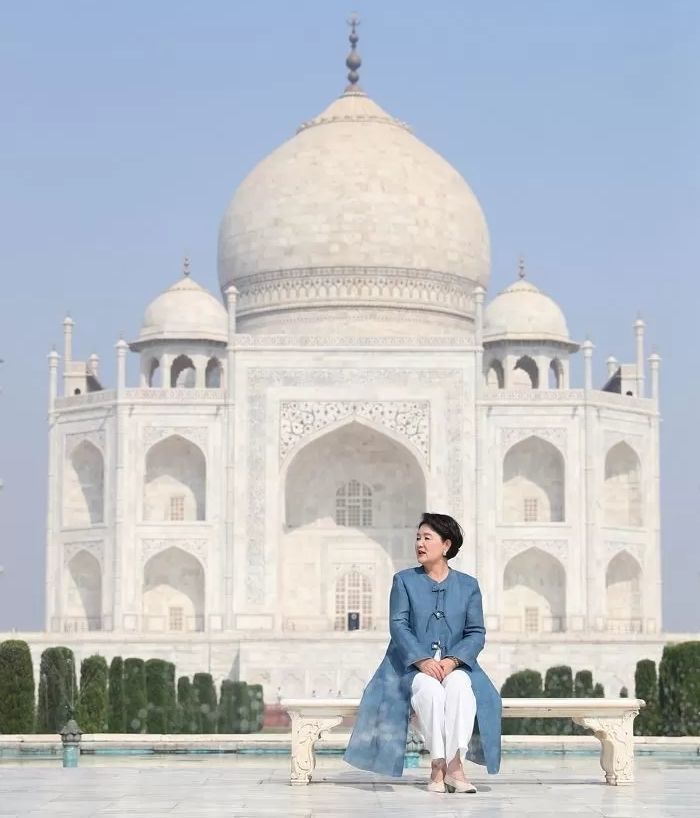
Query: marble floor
253,786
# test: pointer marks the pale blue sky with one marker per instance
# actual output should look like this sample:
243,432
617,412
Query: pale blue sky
126,127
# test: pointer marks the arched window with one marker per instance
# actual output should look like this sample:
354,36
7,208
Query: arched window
175,487
83,594
556,374
154,373
623,594
495,377
622,498
83,498
533,483
182,372
353,505
212,376
173,592
525,374
534,588
353,602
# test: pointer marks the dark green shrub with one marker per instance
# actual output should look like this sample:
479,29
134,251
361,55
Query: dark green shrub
646,686
92,700
186,706
241,708
624,693
583,684
157,719
57,690
598,691
558,683
135,697
525,684
170,697
116,715
227,715
679,689
257,708
205,692
16,687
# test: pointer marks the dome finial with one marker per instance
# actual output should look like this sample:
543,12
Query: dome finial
353,61
521,268
186,266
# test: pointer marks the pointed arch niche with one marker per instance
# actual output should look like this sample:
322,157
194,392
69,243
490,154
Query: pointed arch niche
623,582
534,593
175,482
83,608
525,374
622,496
173,592
533,482
352,497
83,495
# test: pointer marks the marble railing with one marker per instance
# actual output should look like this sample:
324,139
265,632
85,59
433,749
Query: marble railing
579,396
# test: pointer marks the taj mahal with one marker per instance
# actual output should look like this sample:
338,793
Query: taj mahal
239,499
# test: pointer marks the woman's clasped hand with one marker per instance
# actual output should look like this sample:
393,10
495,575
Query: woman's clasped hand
437,669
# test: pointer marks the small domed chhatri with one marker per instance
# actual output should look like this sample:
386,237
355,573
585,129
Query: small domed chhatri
523,312
354,212
184,311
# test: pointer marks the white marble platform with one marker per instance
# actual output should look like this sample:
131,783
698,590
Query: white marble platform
252,787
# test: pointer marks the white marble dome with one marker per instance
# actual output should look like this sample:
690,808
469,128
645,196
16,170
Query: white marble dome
354,197
185,311
524,312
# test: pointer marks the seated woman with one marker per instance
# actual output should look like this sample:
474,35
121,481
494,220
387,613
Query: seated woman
437,632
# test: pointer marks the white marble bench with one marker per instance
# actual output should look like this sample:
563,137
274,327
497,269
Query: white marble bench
610,720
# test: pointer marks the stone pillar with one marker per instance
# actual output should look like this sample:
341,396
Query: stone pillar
229,454
53,565
612,365
592,564
93,365
67,350
478,566
120,493
654,363
639,339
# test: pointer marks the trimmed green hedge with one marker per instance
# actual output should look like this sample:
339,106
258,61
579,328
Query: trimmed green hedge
257,708
135,697
16,687
525,684
679,689
57,690
159,716
558,683
116,717
186,706
92,703
205,693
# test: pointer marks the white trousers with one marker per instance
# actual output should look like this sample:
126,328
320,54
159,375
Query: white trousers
445,712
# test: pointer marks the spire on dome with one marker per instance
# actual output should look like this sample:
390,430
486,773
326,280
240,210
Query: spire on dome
521,268
186,267
353,61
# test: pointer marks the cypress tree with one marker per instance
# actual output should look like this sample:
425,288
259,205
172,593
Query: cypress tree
241,707
227,716
57,689
583,684
92,701
157,696
116,718
679,689
558,683
135,697
646,686
206,702
257,708
16,687
598,691
525,684
187,705
170,698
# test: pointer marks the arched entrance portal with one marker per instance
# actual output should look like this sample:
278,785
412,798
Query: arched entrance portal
352,499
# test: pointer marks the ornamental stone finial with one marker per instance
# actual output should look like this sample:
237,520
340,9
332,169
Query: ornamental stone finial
186,267
353,61
521,268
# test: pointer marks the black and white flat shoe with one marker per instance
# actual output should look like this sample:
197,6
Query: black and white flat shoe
455,785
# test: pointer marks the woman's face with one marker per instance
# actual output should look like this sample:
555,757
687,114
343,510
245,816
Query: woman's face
430,547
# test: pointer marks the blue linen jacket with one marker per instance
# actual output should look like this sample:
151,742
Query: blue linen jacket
423,613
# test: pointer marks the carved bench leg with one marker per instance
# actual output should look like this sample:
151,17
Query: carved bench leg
306,731
616,745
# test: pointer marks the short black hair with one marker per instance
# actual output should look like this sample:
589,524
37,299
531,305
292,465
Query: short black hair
447,528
